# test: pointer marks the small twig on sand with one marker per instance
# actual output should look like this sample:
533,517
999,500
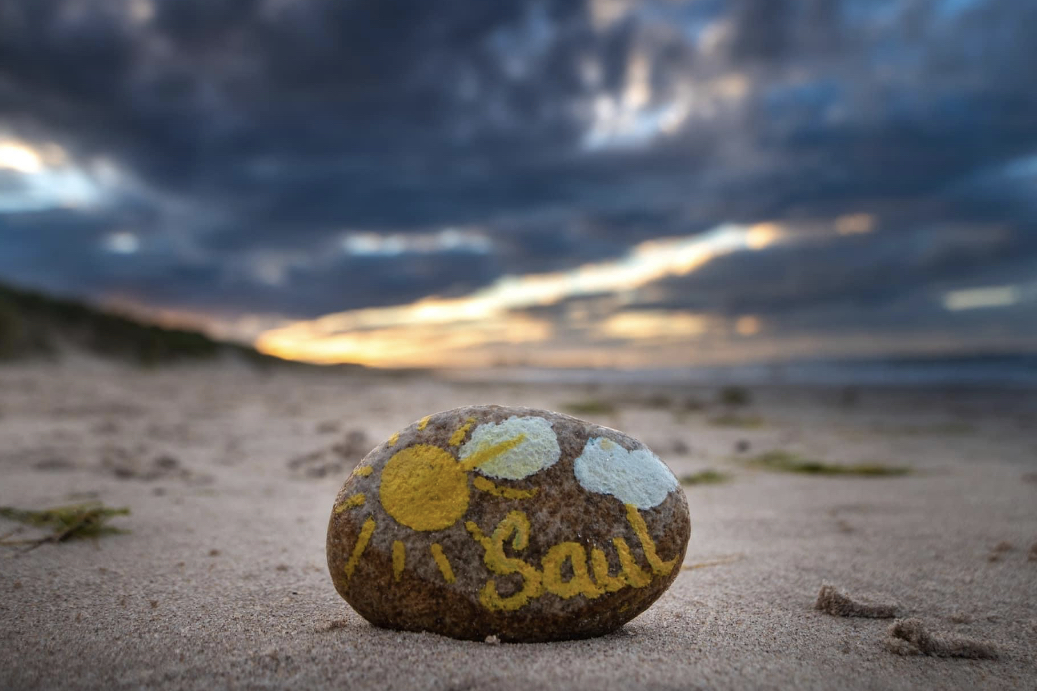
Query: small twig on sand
911,637
831,601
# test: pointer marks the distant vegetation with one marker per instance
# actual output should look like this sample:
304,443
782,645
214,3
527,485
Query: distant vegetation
33,325
735,396
787,462
705,477
590,406
77,521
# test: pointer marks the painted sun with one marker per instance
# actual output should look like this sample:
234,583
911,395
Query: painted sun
428,488
425,487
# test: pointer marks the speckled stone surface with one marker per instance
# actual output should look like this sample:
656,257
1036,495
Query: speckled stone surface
520,523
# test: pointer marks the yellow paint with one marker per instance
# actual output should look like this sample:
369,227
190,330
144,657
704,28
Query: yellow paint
442,562
483,455
484,485
351,503
515,526
358,550
458,436
423,423
424,488
478,534
399,559
641,530
633,574
580,583
393,439
499,563
600,566
363,470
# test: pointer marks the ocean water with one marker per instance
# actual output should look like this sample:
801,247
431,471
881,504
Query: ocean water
997,371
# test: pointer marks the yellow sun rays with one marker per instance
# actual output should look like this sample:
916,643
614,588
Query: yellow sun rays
442,562
351,503
484,485
425,488
399,559
487,454
358,550
458,436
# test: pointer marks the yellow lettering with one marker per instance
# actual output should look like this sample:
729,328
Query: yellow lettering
515,523
600,565
516,529
580,583
630,572
659,566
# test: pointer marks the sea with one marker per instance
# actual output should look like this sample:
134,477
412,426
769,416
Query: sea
986,370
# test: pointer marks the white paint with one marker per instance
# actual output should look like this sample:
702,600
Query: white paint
634,477
537,450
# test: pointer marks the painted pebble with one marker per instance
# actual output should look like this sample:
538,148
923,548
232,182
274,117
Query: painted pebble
520,523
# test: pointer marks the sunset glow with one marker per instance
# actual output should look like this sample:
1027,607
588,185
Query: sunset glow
427,331
15,156
607,184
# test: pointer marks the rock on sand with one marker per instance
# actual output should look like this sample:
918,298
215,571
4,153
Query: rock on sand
518,523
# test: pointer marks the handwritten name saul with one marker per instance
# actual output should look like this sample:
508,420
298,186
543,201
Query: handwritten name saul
549,578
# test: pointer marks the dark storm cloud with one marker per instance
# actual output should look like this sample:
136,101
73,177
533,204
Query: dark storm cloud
256,130
69,254
346,282
856,273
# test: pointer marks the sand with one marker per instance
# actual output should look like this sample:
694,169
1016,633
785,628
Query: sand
222,581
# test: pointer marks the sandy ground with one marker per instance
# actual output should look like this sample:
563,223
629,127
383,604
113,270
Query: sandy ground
230,476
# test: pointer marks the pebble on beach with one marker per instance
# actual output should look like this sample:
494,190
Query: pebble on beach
517,523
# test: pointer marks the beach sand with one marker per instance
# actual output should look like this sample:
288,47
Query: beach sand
230,475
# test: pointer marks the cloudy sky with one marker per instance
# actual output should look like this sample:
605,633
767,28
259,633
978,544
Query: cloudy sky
609,182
